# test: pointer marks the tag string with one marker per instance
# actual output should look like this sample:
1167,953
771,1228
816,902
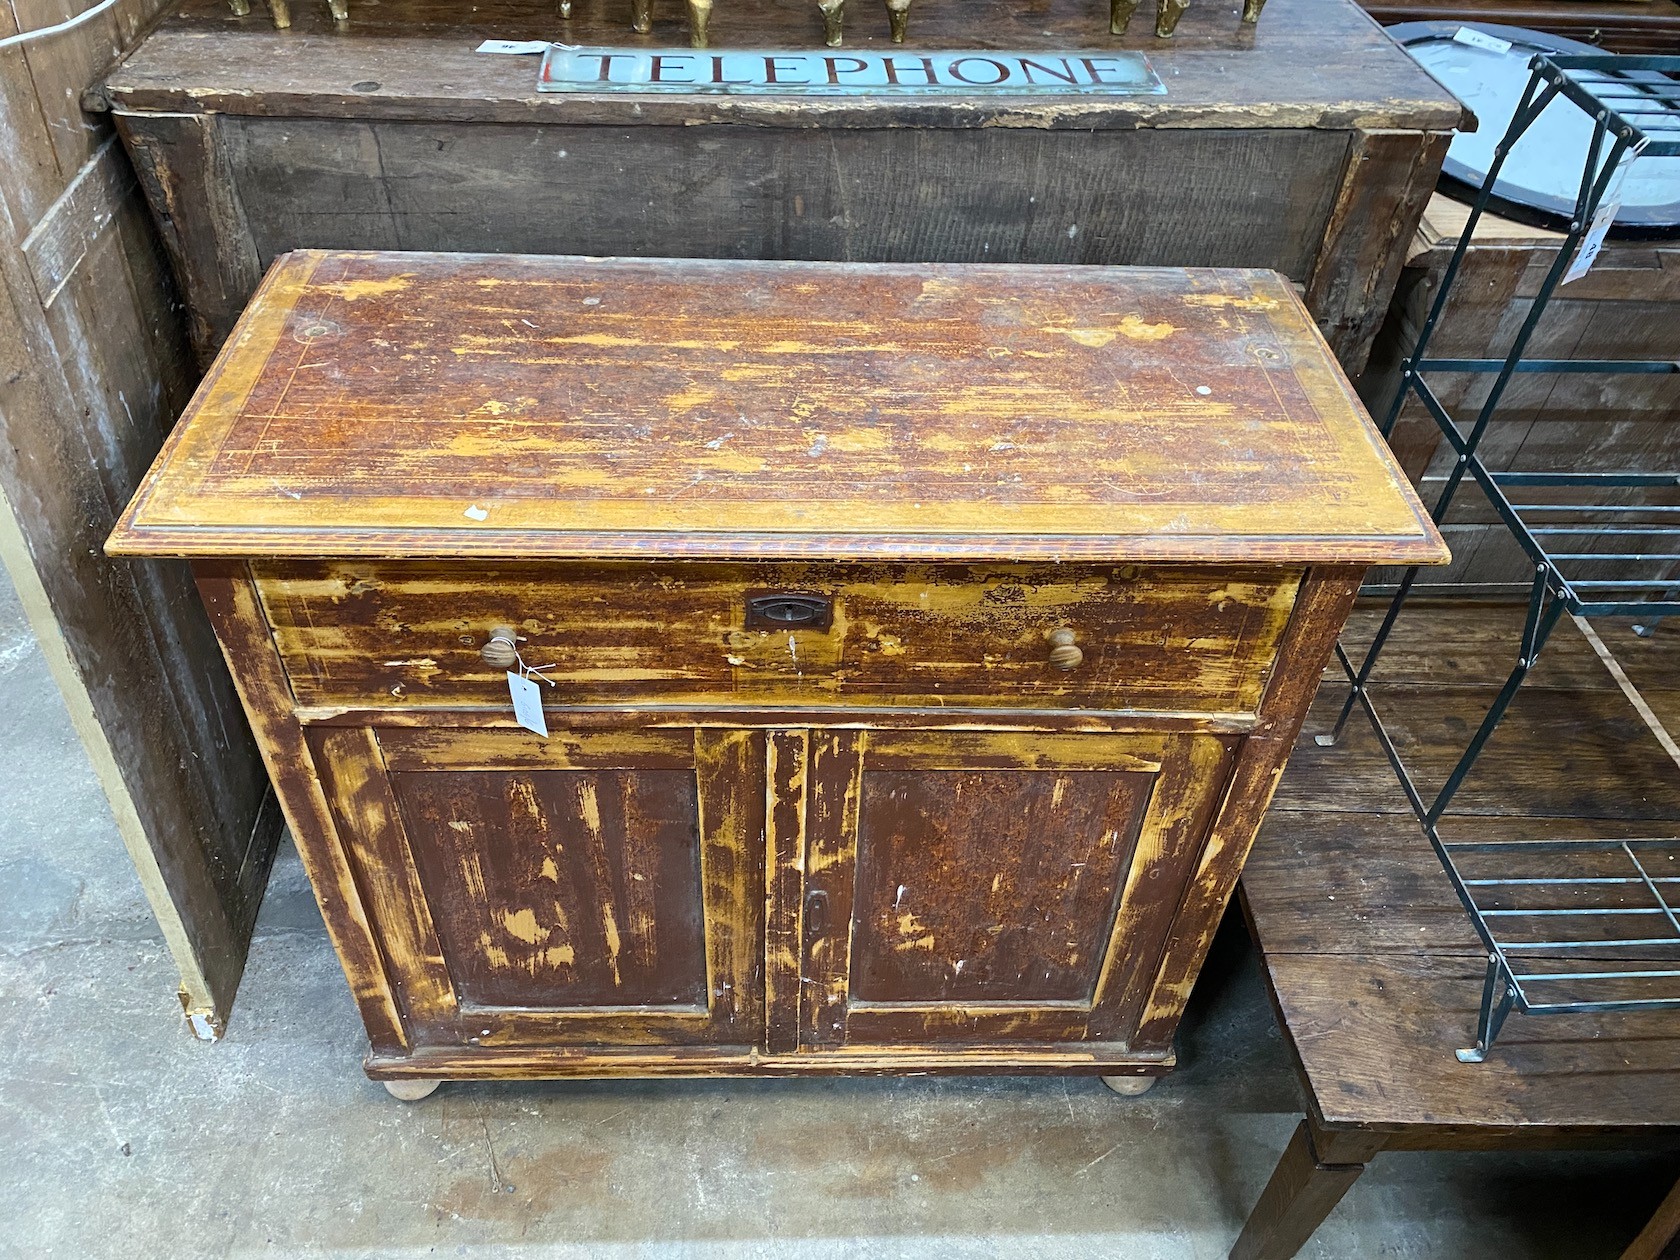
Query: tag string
525,671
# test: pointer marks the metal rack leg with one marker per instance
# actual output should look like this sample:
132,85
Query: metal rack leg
1357,687
1542,617
1529,108
1595,180
1498,995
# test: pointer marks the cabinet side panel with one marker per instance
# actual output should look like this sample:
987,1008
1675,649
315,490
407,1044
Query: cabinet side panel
260,679
1326,598
1187,797
354,781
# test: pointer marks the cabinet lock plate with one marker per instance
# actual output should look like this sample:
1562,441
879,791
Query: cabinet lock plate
785,610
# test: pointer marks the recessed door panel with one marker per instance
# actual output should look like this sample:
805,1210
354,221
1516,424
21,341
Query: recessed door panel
555,888
989,888
989,885
594,888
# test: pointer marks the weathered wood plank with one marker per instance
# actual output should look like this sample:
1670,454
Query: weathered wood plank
60,241
183,169
89,382
1360,1024
1587,755
1317,64
1389,177
393,134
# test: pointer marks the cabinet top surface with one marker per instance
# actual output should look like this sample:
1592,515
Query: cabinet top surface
1308,63
496,405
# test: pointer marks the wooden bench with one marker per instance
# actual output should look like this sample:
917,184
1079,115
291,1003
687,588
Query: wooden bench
1374,970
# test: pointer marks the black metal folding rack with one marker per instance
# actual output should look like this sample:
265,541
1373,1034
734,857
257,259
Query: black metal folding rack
1613,903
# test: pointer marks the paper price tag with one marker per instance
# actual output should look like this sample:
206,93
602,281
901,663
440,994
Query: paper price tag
1602,221
527,704
1481,39
1593,241
513,47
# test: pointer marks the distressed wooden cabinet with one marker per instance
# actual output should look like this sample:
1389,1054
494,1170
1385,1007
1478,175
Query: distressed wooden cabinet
923,643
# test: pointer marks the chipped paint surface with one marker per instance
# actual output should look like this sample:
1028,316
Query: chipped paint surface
1157,638
1088,402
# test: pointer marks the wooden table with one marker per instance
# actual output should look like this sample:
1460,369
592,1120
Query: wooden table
1307,145
1373,969
925,643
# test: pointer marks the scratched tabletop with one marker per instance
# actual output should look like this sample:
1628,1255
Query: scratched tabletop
407,404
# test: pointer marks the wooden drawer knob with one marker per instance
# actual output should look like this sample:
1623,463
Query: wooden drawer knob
500,650
1064,652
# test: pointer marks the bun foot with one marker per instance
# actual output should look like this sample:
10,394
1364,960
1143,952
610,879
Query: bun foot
1130,1086
409,1089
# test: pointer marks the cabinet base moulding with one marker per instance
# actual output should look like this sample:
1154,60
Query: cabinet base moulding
551,1065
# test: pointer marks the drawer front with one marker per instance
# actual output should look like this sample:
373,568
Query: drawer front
1154,638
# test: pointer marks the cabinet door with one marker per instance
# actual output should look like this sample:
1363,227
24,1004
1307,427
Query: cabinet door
982,888
600,888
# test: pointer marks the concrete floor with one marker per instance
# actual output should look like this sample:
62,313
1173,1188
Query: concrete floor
123,1136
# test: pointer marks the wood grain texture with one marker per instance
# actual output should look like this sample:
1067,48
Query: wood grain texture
599,888
1602,763
1374,969
1319,613
183,168
563,888
974,888
984,886
1312,63
93,371
230,599
1379,1018
407,635
1039,414
1390,176
786,775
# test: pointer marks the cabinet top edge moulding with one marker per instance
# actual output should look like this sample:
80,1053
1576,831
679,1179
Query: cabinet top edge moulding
405,405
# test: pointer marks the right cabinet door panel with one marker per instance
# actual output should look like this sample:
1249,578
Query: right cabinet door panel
989,888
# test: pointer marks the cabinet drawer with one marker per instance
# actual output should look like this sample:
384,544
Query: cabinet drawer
401,634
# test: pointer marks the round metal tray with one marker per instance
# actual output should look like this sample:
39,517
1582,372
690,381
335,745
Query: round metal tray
1540,179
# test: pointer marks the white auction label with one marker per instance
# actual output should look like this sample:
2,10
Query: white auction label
1481,39
527,704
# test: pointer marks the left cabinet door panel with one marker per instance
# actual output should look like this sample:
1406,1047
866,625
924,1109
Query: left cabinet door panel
599,888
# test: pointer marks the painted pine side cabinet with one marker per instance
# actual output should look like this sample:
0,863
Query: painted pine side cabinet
919,645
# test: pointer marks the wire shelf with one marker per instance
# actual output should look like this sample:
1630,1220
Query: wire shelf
1577,925
1572,926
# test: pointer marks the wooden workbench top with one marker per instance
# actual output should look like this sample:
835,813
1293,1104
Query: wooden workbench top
1375,969
1309,63
427,404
